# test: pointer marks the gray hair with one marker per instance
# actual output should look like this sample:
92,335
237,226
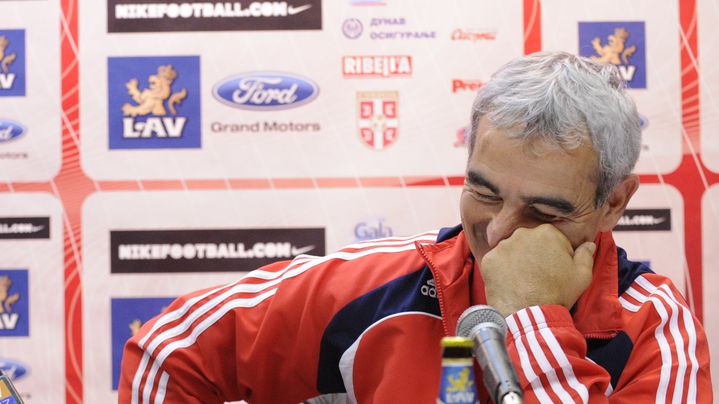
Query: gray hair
561,99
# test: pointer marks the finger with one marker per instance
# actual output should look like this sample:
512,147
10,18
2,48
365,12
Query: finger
556,236
584,258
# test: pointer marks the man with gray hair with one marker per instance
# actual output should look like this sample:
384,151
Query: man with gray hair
553,143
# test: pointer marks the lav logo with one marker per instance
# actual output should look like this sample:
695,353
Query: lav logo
619,43
12,62
154,102
14,307
263,91
10,130
128,315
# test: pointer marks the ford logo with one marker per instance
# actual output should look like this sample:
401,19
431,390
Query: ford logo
643,122
262,91
14,370
10,130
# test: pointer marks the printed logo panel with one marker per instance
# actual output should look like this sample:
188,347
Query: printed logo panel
377,66
645,220
14,303
220,250
378,119
24,227
212,15
127,316
619,43
10,130
154,102
264,91
12,62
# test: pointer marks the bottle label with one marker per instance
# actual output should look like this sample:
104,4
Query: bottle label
457,383
8,394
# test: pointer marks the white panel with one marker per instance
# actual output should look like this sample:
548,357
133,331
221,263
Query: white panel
403,211
659,102
35,156
429,112
42,353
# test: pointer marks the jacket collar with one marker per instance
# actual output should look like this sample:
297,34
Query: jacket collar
456,277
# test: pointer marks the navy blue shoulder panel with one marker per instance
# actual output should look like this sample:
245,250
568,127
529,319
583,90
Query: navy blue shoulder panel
613,354
411,292
446,233
628,271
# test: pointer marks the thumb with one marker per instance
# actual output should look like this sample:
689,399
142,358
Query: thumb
584,259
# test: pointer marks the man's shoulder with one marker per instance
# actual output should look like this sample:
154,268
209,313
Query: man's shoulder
628,271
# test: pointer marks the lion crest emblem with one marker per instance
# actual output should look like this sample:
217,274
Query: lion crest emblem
461,382
615,51
6,299
152,99
5,60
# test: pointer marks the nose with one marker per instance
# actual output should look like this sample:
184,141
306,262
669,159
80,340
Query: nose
502,225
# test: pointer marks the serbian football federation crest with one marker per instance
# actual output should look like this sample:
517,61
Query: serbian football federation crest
12,62
378,121
619,43
154,102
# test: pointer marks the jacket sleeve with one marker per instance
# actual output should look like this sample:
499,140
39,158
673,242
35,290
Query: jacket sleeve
668,357
229,343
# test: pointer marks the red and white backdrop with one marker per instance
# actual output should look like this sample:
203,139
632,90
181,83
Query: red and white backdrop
150,147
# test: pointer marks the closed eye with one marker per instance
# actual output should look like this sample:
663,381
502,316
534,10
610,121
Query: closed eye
545,217
486,197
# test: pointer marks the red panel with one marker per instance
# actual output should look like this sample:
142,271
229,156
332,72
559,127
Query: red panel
293,183
250,184
532,26
380,182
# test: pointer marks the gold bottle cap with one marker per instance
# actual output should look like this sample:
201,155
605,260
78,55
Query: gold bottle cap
457,342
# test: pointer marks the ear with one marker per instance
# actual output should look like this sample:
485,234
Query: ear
617,201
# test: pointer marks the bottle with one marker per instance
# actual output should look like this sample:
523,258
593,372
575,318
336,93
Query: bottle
8,394
457,385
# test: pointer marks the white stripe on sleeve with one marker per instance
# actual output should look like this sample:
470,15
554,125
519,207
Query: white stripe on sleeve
529,374
541,359
559,356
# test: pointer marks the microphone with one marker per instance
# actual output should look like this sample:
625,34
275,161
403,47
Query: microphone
486,326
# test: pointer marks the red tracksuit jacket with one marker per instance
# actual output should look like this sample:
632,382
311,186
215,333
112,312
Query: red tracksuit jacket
364,325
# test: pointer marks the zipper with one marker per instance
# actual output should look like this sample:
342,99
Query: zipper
601,336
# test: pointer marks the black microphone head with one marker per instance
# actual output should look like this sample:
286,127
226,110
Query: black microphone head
480,314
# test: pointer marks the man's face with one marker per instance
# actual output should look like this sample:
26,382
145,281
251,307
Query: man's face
509,185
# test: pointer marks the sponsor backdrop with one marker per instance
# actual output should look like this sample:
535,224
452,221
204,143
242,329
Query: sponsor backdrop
150,148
